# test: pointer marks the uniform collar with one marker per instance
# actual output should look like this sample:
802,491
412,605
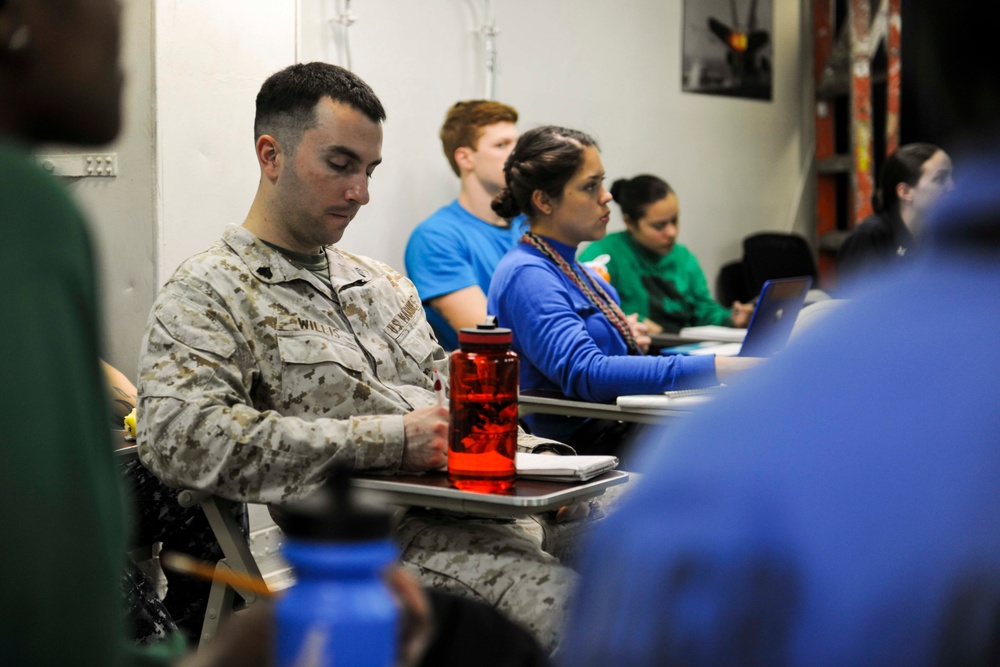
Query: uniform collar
271,267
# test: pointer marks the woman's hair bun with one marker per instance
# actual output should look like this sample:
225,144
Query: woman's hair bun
504,205
617,187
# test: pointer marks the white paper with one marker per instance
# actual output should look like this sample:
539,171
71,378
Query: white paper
714,332
568,467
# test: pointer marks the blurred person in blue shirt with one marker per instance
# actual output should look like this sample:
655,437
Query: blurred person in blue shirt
840,506
452,254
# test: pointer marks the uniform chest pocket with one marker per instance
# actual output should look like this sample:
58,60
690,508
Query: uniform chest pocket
310,351
417,345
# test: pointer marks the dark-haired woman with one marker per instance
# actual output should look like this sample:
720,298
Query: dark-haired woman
568,328
656,277
912,179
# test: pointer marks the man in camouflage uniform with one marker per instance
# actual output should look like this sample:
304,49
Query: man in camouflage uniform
272,354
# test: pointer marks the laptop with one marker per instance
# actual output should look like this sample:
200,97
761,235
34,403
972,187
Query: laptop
772,320
770,325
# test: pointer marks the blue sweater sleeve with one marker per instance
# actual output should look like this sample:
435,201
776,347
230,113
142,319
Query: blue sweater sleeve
553,337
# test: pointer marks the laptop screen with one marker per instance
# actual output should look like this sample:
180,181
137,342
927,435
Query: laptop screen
772,321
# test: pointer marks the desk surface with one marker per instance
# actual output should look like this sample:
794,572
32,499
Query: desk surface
671,339
529,404
724,335
527,497
125,450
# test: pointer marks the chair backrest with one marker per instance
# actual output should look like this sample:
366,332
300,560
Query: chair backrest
769,255
731,284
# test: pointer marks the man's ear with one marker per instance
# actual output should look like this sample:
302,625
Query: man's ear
463,158
270,156
904,192
542,202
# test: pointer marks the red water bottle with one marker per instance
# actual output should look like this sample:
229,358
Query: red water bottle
484,376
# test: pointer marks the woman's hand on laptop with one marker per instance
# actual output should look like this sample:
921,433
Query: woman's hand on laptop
740,314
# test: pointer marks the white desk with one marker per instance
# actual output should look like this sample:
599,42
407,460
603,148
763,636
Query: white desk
526,497
125,450
661,340
528,404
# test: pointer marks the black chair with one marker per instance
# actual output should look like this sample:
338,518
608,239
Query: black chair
732,285
769,255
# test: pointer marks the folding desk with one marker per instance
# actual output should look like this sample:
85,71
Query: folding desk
549,405
528,496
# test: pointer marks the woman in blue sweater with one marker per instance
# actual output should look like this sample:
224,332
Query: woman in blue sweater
569,330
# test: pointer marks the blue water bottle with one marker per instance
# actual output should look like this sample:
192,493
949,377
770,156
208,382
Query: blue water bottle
339,611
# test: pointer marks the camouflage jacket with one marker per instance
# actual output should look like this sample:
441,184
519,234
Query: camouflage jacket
254,376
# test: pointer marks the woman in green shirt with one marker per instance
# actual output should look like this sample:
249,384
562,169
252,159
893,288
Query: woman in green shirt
656,277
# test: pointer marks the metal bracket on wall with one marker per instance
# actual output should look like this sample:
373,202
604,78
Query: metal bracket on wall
78,165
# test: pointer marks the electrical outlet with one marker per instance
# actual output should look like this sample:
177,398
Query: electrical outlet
78,165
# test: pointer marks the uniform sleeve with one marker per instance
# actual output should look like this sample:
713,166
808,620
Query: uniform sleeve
554,338
533,444
198,429
705,309
438,262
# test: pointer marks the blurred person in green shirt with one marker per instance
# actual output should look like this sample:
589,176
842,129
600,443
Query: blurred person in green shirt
63,519
657,278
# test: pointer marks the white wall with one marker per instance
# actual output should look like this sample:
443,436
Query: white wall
609,68
211,58
120,209
612,69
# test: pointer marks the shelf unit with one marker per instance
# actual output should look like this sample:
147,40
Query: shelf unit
857,74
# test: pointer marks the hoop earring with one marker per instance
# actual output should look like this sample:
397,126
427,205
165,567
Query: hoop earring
19,38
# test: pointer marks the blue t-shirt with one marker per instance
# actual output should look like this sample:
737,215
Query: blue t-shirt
452,250
567,345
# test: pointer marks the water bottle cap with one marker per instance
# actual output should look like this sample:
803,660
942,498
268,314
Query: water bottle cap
335,512
485,333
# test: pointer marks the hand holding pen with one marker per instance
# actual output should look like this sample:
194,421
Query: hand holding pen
426,433
439,388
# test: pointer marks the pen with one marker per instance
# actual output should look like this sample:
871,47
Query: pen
438,388
184,563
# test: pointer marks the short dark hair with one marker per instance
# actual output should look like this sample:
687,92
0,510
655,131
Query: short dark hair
905,165
544,158
634,195
464,123
286,103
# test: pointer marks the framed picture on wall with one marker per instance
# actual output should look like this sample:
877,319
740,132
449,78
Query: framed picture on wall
728,48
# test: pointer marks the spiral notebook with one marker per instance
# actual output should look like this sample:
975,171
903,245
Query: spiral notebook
685,398
563,468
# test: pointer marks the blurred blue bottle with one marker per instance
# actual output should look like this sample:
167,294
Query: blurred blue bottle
339,611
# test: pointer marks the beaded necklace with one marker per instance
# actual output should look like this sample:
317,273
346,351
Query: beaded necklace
591,289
